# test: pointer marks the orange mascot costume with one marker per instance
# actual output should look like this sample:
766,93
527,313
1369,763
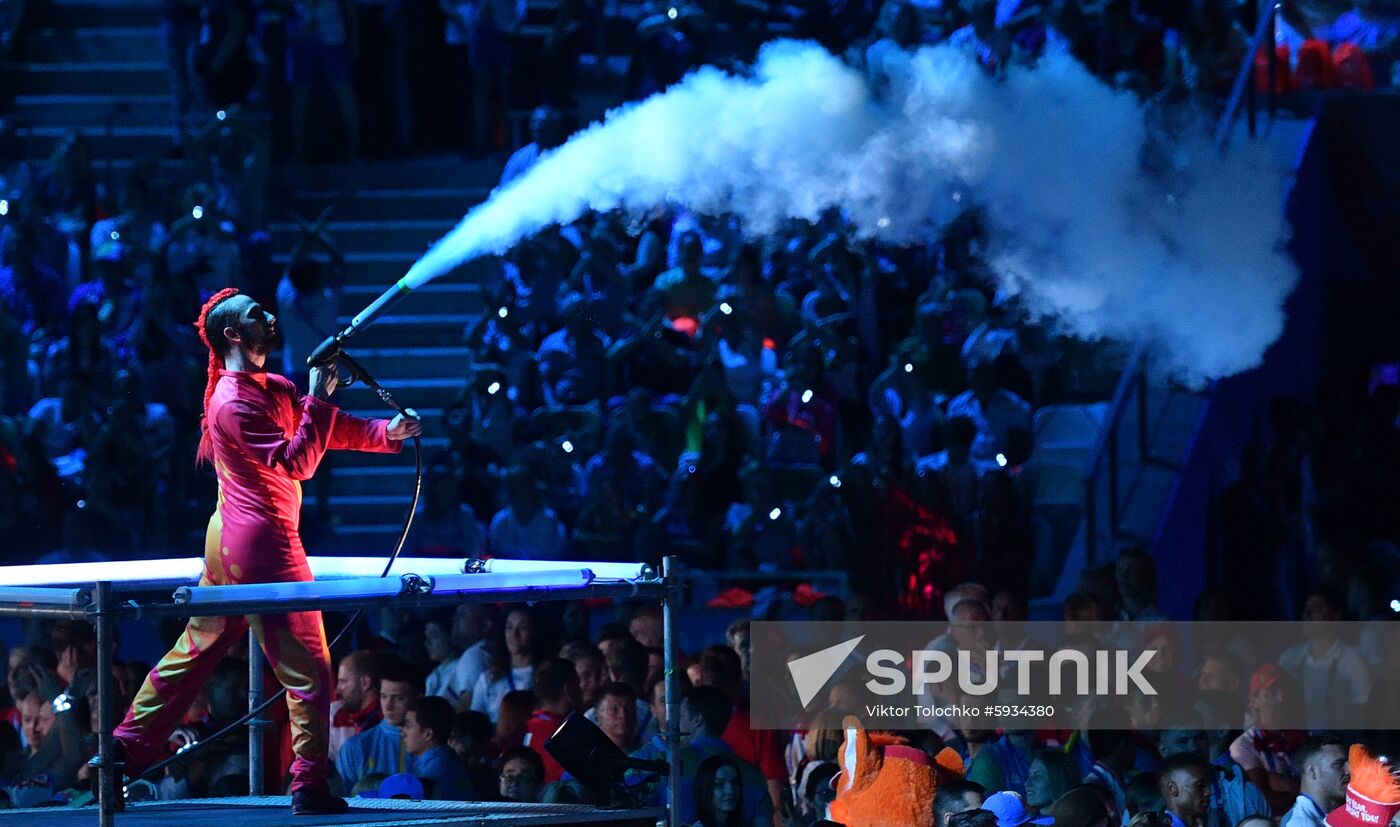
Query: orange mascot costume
1373,794
884,782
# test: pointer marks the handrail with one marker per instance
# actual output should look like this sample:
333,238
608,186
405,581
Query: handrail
1264,28
1105,448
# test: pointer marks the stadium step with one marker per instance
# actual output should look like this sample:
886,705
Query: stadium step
410,236
97,13
397,203
116,141
76,44
93,110
436,392
89,78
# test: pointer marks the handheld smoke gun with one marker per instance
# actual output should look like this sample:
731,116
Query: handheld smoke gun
334,346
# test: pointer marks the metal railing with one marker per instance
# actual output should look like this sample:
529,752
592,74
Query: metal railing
1242,91
1105,461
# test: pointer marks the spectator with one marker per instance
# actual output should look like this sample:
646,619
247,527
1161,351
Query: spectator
720,668
427,726
526,529
617,715
719,793
548,129
437,641
473,629
472,742
995,411
356,707
1185,782
379,749
955,796
1113,749
515,710
1010,810
522,776
557,695
590,667
321,39
513,663
1052,773
1334,676
445,526
704,713
1084,806
1323,773
1265,751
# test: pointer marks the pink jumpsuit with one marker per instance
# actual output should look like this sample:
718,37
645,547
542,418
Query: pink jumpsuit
266,440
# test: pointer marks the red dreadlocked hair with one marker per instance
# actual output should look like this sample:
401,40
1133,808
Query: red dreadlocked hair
216,363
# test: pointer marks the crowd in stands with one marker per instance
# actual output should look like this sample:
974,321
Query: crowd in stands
458,704
650,385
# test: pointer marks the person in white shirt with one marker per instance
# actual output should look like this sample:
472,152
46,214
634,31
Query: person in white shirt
1333,674
513,667
437,640
1323,774
473,627
994,410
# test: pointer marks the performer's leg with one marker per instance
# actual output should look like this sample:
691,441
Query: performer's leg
295,645
172,685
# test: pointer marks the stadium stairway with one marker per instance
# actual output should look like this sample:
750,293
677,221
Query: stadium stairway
396,211
96,66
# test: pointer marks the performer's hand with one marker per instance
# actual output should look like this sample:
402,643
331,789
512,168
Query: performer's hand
324,381
402,427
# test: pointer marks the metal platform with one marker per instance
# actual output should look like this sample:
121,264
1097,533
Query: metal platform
276,811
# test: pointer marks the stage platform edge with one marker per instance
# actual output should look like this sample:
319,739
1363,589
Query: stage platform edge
276,811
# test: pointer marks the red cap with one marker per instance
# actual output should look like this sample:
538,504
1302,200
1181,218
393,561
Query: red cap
1264,677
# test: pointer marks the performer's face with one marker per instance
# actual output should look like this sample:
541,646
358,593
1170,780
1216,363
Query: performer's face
257,331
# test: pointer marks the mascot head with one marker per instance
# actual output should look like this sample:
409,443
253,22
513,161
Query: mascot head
884,781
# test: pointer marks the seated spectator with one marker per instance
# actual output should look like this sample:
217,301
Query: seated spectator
704,715
427,726
1333,674
548,129
590,667
445,526
473,631
29,288
1052,773
995,411
1185,782
471,740
719,793
379,749
522,776
688,292
526,529
557,694
955,796
616,712
437,641
1323,774
799,407
515,710
513,664
721,668
1265,751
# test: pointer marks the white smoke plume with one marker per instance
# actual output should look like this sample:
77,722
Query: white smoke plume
1191,261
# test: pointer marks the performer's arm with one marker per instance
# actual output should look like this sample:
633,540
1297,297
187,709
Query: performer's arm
351,433
261,437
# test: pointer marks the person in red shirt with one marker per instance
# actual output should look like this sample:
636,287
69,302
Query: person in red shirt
557,694
263,439
721,668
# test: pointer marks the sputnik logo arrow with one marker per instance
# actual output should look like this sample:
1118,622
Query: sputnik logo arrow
811,672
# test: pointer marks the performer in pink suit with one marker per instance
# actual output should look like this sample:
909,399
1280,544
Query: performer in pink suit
263,439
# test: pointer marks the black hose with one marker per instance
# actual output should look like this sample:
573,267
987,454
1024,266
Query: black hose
354,618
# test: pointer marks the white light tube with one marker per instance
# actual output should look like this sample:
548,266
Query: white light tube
601,571
367,587
502,581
